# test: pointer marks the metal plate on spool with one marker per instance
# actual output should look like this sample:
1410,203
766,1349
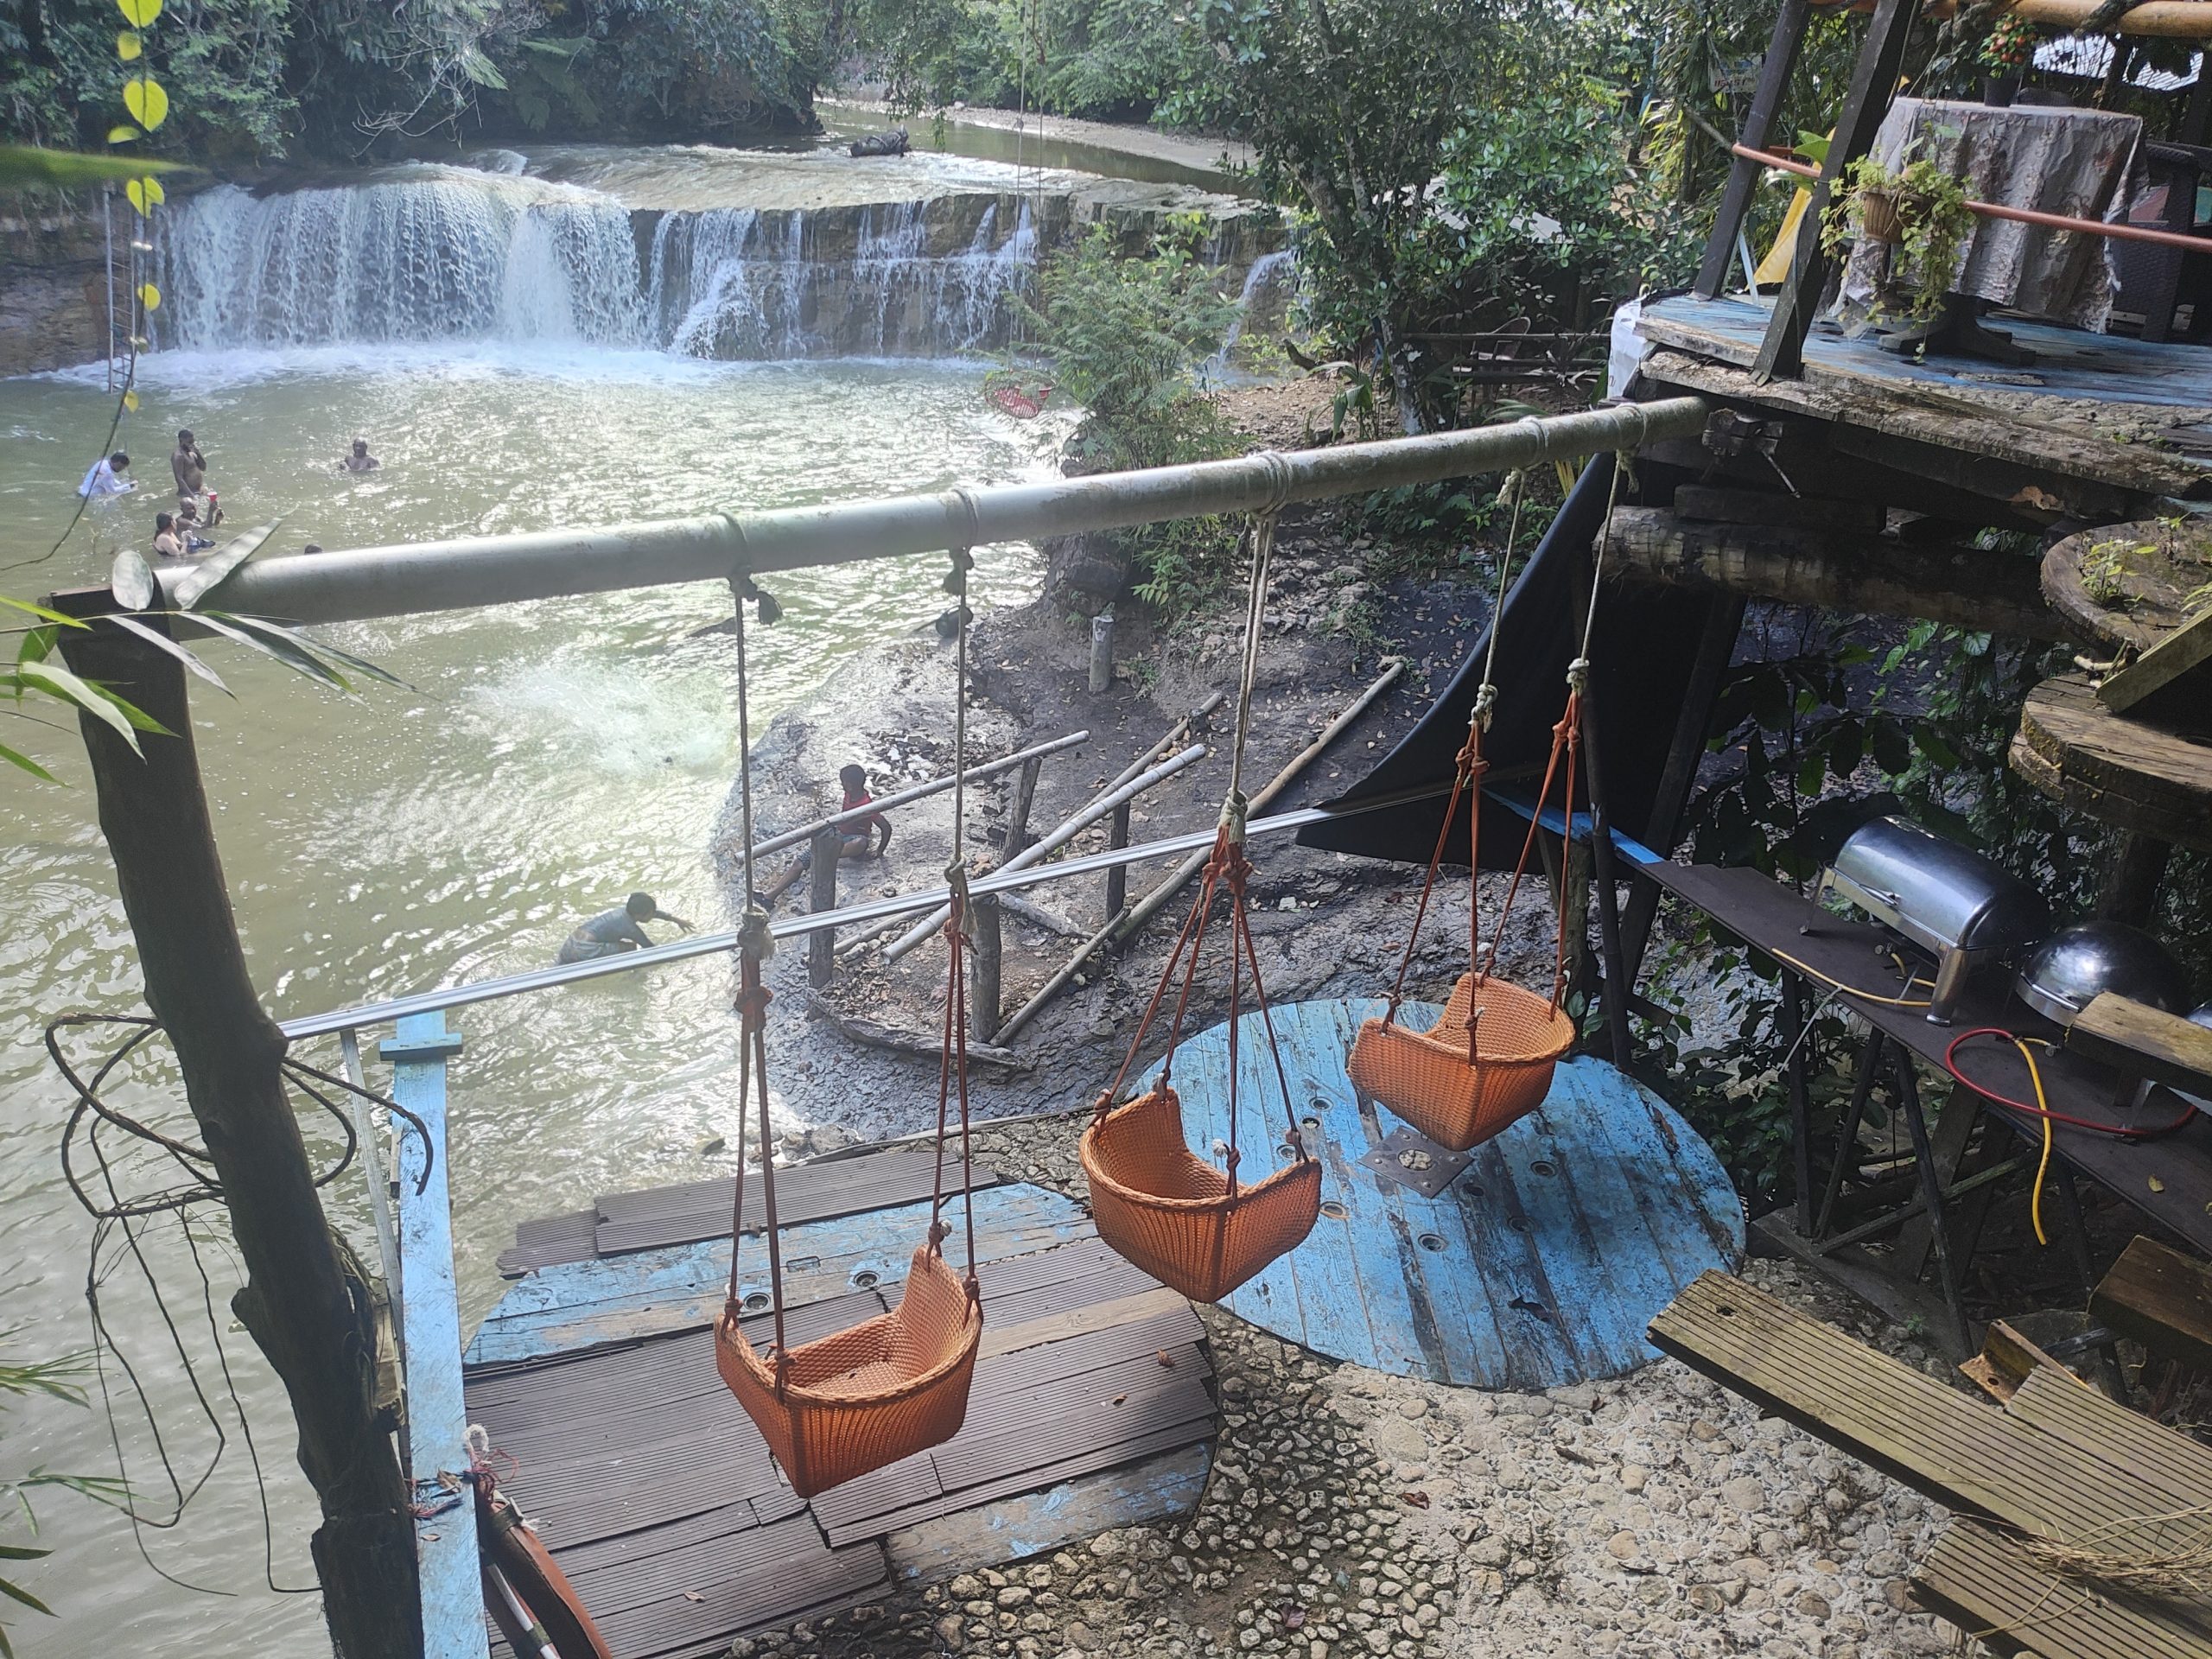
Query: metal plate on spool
1411,1159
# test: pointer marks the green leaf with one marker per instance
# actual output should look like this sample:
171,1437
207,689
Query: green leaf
16,757
16,1593
147,100
160,641
128,46
318,649
41,610
58,682
23,1553
24,166
294,655
139,13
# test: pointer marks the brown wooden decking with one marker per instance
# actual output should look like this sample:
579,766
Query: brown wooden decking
1093,1407
2059,1461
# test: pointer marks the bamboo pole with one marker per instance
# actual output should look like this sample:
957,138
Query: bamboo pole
1132,921
2170,20
2118,232
1067,832
1023,758
361,582
1188,725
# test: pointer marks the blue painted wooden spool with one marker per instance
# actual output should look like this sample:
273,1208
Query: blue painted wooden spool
1540,1266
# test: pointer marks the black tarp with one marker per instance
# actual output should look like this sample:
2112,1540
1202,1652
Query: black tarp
1641,655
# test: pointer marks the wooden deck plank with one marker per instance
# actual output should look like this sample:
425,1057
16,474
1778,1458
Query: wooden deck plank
2161,1298
1983,1582
704,1210
1993,1463
1538,1282
577,1304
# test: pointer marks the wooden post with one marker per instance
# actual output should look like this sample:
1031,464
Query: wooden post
306,1301
1117,878
2128,891
1744,176
985,955
1782,352
1102,652
822,865
1609,912
1017,818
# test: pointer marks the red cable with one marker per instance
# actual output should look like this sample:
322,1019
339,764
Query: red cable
2119,1131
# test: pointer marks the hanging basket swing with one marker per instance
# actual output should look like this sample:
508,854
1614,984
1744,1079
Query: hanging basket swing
832,1410
1487,1063
1190,1224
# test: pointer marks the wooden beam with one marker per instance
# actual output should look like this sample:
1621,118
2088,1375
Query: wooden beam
306,1303
2184,651
1872,576
2172,20
437,1417
2162,1298
2144,1042
1744,176
1873,80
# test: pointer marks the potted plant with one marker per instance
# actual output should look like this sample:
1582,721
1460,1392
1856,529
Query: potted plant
2005,55
1919,211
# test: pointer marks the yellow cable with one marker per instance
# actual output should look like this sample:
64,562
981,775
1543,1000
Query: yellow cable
1812,972
2042,1169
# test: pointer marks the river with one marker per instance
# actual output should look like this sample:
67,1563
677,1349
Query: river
550,757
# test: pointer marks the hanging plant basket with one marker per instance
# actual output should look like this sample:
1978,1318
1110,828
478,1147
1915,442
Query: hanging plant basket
1880,220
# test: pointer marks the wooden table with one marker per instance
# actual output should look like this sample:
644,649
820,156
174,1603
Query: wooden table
2169,1178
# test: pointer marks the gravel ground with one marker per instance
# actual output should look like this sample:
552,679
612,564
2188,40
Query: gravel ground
1650,1516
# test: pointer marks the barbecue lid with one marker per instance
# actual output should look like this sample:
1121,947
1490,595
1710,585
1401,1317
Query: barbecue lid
1945,896
2079,962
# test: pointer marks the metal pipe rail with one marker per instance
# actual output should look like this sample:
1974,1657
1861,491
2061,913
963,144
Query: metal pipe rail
371,582
876,910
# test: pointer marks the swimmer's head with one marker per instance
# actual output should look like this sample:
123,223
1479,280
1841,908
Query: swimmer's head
184,435
118,461
164,521
360,446
642,907
855,778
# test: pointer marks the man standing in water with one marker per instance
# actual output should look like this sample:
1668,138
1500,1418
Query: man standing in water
360,461
106,476
190,465
613,932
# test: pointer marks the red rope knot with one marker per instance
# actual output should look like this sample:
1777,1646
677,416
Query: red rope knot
939,1231
1231,1158
956,909
973,1286
782,1361
752,999
1294,1138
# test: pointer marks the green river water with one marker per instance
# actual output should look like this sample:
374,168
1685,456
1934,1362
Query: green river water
553,756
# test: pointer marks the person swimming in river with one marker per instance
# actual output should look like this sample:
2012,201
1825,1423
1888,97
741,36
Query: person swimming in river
360,461
614,931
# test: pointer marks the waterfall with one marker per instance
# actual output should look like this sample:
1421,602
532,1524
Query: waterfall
439,253
1257,280
428,252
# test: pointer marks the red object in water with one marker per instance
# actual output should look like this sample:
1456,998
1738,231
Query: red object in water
1022,405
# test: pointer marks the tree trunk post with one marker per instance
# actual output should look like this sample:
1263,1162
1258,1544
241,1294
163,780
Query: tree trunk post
1102,652
987,959
2129,889
1017,818
1117,878
305,1302
822,895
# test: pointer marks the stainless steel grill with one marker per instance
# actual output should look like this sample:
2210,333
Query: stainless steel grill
1952,902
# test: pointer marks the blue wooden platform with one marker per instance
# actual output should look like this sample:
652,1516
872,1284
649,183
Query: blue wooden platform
1540,1266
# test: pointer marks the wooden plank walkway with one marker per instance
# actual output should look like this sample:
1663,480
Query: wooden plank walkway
1540,1266
2059,1461
1093,1407
657,1217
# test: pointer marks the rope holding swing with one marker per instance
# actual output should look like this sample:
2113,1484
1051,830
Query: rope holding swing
1200,1228
1487,1061
839,1405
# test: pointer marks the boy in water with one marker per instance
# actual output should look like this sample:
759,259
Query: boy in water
613,932
360,461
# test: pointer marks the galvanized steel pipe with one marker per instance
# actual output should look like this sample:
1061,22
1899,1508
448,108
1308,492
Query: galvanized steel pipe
373,581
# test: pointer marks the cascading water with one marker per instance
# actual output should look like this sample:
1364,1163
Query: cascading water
1258,280
438,253
450,253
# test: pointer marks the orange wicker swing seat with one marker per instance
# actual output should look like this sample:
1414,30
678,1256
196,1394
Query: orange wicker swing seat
1188,1223
833,1409
1487,1063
